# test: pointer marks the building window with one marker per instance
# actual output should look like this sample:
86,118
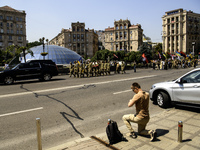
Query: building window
177,19
0,37
121,26
111,39
12,31
1,17
10,37
19,38
1,24
21,26
124,26
7,24
8,31
20,19
17,19
21,32
1,30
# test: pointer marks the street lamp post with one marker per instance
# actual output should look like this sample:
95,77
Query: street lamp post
42,41
193,43
47,40
163,38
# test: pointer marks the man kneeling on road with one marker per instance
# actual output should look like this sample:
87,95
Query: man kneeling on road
141,101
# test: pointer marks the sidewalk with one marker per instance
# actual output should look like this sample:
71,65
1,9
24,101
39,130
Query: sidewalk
166,125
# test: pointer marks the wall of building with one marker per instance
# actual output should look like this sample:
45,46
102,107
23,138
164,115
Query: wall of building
12,27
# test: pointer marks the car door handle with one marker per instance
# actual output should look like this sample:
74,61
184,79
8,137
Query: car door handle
196,86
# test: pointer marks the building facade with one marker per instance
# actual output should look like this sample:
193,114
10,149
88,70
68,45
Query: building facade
12,27
82,41
123,36
101,39
181,31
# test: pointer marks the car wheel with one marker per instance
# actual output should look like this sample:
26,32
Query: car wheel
163,100
8,80
46,77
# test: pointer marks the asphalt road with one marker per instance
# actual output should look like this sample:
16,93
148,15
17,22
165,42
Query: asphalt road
70,108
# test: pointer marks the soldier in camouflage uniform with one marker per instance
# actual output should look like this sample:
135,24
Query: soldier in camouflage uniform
76,66
89,69
123,67
105,67
71,69
97,69
108,67
102,67
81,69
117,68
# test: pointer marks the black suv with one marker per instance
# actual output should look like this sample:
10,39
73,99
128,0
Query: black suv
32,69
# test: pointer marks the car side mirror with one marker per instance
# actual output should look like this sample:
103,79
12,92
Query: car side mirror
181,81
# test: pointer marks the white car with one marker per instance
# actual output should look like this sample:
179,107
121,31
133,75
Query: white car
184,90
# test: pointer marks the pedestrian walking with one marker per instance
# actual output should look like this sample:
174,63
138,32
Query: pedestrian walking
141,102
134,66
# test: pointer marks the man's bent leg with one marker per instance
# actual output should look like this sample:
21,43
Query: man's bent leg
142,125
127,119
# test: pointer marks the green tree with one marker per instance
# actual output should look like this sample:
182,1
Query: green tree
147,50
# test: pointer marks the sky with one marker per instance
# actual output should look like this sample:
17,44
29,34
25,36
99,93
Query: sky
46,18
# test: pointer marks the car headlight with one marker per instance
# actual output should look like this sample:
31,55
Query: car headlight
153,86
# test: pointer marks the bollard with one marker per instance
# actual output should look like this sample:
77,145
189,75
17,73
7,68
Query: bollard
39,139
180,131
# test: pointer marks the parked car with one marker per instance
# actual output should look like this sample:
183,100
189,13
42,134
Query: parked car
32,69
184,90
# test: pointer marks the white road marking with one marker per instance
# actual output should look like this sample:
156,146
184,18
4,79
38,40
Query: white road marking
70,87
19,112
122,92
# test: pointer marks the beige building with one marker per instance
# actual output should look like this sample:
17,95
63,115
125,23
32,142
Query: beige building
123,36
82,41
181,31
12,27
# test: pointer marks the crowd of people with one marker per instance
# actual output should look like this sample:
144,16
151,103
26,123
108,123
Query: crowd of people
174,64
81,69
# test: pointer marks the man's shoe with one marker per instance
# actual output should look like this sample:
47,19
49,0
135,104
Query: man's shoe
132,135
153,135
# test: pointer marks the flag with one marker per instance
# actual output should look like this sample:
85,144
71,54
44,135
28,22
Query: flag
178,54
159,55
80,59
115,55
164,55
145,58
191,55
183,54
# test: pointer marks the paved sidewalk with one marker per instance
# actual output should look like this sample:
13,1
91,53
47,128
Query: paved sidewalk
166,125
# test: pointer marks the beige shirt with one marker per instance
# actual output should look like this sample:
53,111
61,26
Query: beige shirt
141,100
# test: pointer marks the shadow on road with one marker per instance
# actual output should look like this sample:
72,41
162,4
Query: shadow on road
64,114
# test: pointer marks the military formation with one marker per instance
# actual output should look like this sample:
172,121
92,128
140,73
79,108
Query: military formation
174,64
81,69
89,69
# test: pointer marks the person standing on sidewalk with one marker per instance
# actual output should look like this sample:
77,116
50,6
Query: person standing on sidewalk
141,102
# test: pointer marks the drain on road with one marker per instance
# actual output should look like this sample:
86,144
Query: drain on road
104,143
